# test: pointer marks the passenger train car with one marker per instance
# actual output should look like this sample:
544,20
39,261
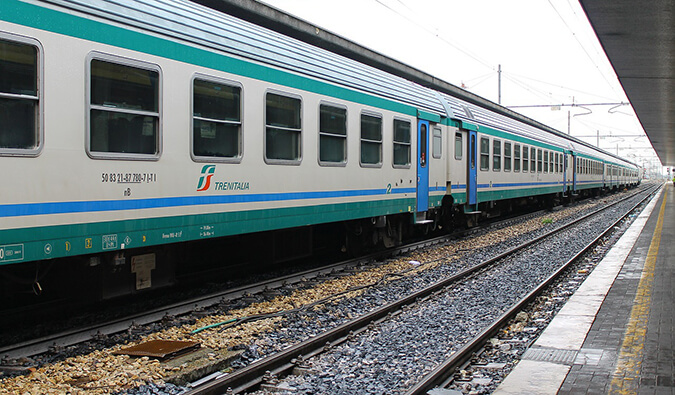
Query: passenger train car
131,127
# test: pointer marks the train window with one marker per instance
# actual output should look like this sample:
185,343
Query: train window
526,158
423,145
216,120
472,151
507,156
332,134
545,161
496,155
539,160
437,144
283,128
516,157
458,146
371,139
402,143
20,93
550,162
124,109
484,153
533,159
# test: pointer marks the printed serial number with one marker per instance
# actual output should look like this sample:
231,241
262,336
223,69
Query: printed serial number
129,178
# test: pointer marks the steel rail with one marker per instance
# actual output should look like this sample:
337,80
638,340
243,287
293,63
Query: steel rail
282,362
441,373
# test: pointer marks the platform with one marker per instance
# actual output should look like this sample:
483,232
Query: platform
615,334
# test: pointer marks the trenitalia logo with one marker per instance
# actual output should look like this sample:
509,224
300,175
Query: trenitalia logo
205,179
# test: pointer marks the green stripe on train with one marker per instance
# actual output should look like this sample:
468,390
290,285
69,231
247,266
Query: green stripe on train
71,240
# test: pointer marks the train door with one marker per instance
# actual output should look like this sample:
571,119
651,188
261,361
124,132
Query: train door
471,179
574,172
422,166
565,166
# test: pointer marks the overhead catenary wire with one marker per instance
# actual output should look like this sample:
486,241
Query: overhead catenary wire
436,34
583,47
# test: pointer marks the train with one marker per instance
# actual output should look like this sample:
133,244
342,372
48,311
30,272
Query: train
132,129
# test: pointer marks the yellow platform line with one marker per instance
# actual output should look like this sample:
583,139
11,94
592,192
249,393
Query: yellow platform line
626,376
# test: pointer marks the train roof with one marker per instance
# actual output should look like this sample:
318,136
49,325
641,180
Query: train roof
218,25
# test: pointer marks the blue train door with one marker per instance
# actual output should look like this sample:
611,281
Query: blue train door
564,180
574,173
422,166
472,176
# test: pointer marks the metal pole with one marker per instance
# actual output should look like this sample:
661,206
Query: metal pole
499,84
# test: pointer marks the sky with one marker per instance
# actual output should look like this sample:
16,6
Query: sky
548,52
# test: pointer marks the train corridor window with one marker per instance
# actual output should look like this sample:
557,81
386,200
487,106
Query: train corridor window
437,144
283,128
216,120
496,155
545,161
539,160
533,159
371,139
332,134
507,156
550,162
557,163
458,146
484,153
401,143
19,97
516,157
124,109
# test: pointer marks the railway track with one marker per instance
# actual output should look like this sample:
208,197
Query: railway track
296,356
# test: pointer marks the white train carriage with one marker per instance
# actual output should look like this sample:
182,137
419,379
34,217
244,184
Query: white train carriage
130,126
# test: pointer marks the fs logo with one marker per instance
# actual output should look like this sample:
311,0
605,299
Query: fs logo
205,179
